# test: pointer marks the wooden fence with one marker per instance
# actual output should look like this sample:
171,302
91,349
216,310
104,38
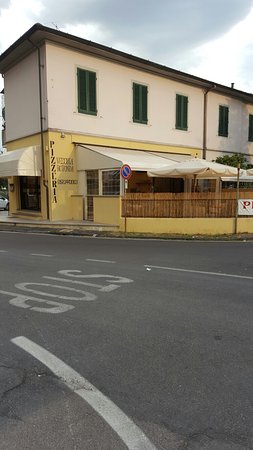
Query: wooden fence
222,204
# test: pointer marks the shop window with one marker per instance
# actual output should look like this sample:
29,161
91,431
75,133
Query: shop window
92,182
111,182
30,193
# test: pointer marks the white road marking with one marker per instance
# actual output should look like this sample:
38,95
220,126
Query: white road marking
20,300
101,260
130,434
78,274
3,251
41,254
218,274
101,288
86,296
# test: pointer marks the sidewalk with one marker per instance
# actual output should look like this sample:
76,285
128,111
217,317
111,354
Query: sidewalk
7,222
86,228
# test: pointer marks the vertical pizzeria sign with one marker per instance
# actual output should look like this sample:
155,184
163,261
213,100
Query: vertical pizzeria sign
62,168
53,176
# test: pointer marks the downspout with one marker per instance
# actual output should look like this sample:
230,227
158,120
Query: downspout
41,128
204,149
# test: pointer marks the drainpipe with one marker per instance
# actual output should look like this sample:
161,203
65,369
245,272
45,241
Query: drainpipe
41,128
205,119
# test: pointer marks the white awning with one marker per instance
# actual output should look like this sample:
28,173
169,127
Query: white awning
94,157
242,179
22,162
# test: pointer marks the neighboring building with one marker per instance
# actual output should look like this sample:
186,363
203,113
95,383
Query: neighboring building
76,111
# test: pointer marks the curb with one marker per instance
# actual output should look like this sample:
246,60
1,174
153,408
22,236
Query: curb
69,231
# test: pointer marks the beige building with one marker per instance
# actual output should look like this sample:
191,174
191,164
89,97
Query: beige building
76,111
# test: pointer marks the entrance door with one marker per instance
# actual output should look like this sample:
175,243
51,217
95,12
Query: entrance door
92,183
30,193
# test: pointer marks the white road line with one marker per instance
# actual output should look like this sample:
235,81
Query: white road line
20,300
108,288
101,260
41,254
218,274
3,251
130,434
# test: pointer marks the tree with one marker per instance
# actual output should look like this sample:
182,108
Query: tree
234,160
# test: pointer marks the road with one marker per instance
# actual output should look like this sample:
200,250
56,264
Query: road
113,344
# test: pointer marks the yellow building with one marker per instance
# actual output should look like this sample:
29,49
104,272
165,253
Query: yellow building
76,111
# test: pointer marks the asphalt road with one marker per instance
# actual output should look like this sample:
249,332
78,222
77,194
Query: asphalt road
113,344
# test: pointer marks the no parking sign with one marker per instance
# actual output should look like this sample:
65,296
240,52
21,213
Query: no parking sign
126,171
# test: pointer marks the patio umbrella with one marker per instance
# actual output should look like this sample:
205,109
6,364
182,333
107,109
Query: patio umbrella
196,168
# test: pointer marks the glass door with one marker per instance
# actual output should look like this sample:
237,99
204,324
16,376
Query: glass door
92,183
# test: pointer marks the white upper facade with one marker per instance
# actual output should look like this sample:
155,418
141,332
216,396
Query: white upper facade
114,102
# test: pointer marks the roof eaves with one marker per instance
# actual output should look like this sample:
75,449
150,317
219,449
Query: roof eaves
40,34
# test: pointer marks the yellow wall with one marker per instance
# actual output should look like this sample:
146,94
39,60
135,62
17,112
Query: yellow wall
60,177
107,210
186,226
135,145
59,201
77,207
63,182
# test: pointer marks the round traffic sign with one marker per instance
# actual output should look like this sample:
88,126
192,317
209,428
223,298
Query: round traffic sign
126,171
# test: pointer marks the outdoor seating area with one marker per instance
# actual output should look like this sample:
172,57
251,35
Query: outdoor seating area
182,205
193,203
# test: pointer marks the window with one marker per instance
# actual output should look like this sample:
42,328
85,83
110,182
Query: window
223,121
250,138
181,112
111,182
30,193
92,182
87,98
140,103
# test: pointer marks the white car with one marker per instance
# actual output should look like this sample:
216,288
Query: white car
4,203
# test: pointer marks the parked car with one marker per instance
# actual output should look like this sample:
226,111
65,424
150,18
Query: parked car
4,203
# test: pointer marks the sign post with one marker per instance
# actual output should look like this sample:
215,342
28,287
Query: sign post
237,197
126,173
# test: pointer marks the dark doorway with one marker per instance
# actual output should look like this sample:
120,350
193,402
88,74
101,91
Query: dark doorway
30,193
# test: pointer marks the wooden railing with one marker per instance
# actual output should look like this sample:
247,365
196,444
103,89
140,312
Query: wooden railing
182,205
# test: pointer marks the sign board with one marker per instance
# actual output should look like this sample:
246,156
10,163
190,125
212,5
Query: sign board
126,171
245,207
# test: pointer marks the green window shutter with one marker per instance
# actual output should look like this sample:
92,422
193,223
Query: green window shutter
250,138
81,85
136,102
181,112
223,120
92,93
140,103
87,98
144,104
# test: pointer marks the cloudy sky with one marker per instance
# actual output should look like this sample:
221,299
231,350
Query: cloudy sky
212,39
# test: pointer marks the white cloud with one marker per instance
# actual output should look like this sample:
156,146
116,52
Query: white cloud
18,17
159,33
223,60
92,31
